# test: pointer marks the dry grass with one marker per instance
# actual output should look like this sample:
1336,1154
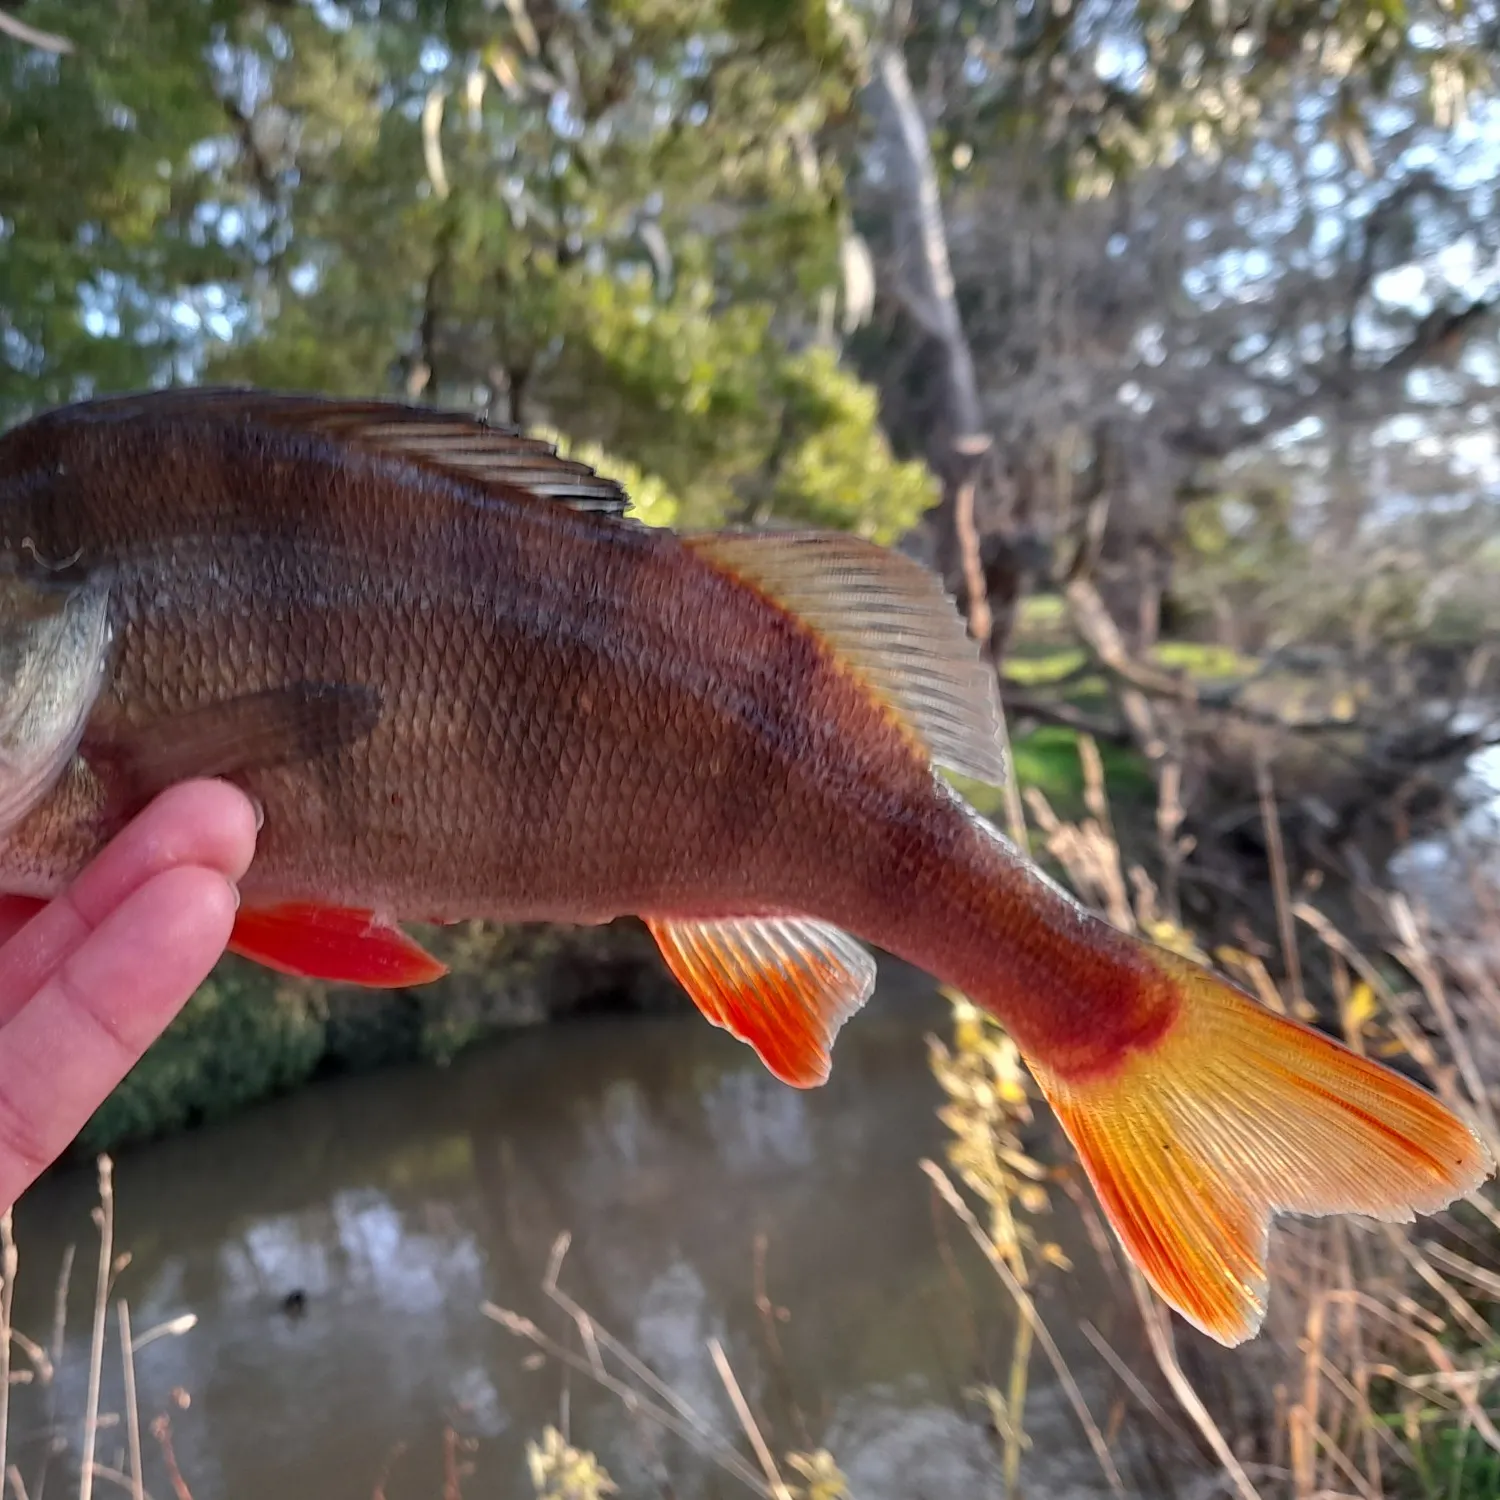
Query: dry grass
1377,1375
610,1364
53,1439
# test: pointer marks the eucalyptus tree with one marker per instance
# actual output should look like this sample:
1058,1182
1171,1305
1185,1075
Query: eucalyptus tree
614,221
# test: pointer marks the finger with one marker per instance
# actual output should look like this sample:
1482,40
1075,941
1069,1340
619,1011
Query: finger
88,1025
206,823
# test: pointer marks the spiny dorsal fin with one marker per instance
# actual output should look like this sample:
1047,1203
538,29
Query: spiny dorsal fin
889,619
464,446
783,984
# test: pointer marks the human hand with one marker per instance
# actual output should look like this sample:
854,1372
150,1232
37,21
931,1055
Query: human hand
90,980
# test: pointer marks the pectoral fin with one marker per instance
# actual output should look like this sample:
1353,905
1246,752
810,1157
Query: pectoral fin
783,984
333,943
278,726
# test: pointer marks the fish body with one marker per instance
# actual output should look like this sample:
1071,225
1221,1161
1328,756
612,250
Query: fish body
579,718
463,685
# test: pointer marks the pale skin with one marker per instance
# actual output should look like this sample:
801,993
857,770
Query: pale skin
92,979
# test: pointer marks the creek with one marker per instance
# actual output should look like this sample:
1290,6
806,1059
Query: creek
336,1247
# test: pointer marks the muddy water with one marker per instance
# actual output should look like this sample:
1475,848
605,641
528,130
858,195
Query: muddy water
389,1208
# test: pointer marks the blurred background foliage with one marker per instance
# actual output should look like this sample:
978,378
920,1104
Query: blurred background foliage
1190,302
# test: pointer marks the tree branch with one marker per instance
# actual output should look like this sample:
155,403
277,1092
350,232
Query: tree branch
932,301
932,290
1093,621
1439,337
45,41
260,168
1053,711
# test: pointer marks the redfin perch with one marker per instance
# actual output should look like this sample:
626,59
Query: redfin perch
462,684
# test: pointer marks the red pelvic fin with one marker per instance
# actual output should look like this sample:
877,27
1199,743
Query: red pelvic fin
16,912
784,985
338,944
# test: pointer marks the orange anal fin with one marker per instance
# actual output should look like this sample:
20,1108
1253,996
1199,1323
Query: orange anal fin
784,985
338,944
1236,1114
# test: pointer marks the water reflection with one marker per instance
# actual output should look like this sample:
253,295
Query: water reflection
388,1208
1445,871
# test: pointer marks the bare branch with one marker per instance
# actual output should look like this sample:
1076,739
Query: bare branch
1092,619
921,203
44,41
1440,337
260,168
1053,711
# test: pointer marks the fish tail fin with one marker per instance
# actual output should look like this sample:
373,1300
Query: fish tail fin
1235,1114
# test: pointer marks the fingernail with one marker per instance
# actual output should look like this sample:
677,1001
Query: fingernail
235,890
260,812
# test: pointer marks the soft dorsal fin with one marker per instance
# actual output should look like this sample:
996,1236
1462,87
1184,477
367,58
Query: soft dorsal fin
783,984
889,619
464,446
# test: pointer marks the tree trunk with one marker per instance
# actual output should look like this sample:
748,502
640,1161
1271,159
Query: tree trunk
924,285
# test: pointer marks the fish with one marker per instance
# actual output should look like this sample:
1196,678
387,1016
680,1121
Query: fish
462,682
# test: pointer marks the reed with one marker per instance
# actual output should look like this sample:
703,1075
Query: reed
1377,1374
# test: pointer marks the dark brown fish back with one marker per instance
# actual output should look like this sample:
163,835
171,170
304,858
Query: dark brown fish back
131,466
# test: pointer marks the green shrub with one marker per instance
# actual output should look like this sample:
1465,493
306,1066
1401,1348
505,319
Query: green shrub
245,1035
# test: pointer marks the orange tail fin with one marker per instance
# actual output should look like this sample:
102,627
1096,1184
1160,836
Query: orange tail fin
1236,1114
